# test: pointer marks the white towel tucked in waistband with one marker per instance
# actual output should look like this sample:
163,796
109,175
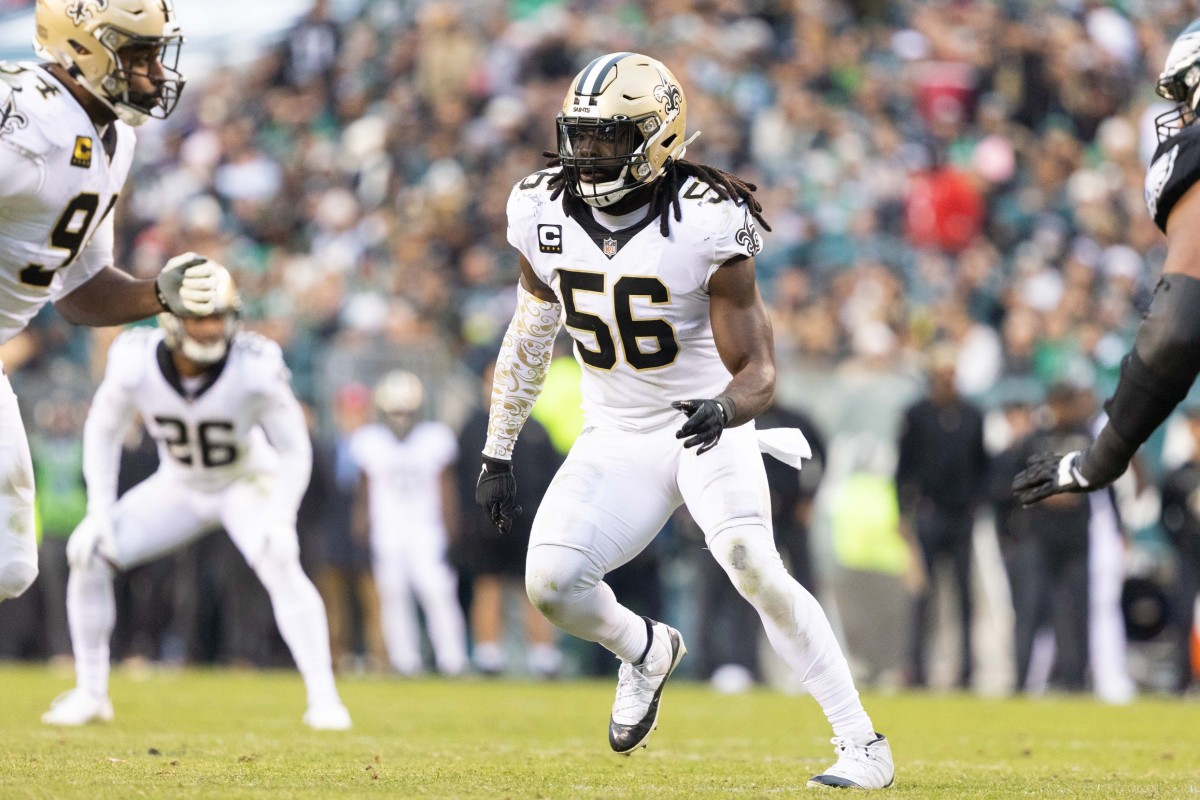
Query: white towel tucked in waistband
786,444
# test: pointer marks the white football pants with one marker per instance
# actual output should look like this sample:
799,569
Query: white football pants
608,502
161,515
18,534
416,569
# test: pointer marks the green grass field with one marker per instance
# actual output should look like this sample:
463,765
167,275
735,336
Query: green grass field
227,734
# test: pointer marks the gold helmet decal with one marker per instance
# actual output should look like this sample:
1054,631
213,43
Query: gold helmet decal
81,10
669,94
623,121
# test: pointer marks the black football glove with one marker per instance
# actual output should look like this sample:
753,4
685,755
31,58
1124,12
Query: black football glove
706,420
1050,473
496,493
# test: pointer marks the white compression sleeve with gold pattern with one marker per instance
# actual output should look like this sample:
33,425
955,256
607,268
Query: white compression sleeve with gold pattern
520,370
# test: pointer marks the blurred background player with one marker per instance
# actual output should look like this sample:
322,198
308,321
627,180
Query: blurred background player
234,452
343,574
408,487
66,145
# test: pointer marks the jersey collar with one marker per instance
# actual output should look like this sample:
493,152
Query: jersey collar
171,373
609,242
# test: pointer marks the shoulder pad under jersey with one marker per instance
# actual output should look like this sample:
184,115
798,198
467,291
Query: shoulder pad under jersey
32,110
131,353
257,358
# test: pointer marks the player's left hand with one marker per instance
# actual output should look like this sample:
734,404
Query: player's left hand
706,419
1050,473
187,285
93,536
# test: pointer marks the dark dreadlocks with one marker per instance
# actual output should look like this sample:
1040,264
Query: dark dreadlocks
666,190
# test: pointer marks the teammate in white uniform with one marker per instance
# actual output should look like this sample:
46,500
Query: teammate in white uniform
234,452
409,489
652,258
65,149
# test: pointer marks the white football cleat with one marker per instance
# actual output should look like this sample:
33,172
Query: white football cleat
328,717
639,688
860,765
77,707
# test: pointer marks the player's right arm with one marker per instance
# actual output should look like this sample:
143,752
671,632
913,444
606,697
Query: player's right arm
186,285
1164,362
525,355
521,366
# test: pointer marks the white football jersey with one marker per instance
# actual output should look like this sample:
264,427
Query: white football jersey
635,303
404,479
240,419
57,189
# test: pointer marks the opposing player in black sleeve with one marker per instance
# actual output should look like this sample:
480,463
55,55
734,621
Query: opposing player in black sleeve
1165,359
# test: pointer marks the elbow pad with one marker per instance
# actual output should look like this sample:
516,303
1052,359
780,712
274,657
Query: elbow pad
521,368
1155,377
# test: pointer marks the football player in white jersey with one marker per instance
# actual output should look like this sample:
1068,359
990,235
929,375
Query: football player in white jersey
65,149
234,452
408,486
650,260
1160,370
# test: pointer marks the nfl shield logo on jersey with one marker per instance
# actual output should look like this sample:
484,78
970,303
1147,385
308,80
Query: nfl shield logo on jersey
609,247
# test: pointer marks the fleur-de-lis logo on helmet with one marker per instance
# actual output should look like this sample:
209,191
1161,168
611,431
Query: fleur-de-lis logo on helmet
81,10
669,95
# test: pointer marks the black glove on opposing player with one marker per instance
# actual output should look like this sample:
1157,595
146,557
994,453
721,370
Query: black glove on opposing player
1050,473
706,420
496,493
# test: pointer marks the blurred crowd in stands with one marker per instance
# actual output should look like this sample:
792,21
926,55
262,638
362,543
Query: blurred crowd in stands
952,185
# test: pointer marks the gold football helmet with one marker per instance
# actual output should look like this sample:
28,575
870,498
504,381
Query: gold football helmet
86,37
228,306
623,121
399,393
